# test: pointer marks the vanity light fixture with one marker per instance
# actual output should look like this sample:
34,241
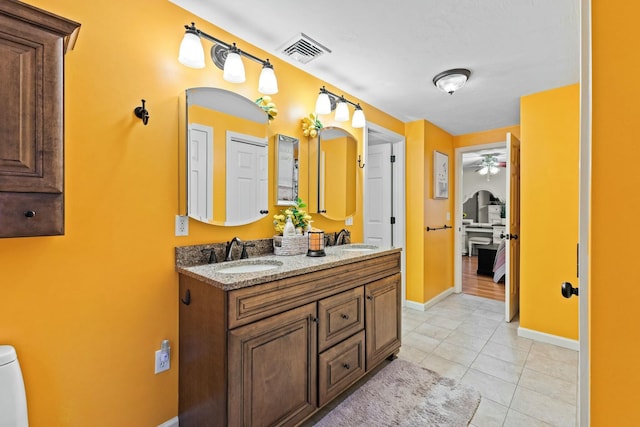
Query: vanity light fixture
328,101
192,55
451,80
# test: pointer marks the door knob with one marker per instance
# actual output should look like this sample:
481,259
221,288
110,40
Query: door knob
509,236
514,236
568,290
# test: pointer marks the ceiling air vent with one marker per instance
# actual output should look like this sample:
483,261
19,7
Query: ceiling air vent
303,48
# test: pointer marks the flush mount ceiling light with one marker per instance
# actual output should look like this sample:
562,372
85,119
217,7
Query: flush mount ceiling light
451,80
227,57
328,101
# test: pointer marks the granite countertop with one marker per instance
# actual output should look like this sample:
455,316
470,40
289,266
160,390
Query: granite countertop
286,266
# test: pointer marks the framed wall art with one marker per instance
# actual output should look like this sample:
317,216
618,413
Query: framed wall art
440,175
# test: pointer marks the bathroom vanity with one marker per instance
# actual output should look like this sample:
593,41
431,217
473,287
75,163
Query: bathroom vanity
271,347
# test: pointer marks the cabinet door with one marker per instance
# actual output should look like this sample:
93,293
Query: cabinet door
382,319
32,46
273,368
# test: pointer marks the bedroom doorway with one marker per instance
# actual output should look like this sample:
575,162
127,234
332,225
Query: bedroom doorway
480,205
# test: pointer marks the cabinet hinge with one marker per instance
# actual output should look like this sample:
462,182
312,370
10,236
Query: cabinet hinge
393,220
393,158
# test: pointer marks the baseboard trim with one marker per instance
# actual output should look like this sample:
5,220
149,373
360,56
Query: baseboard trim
420,306
549,339
173,422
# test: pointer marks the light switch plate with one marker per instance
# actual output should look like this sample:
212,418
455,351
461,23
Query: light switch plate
348,220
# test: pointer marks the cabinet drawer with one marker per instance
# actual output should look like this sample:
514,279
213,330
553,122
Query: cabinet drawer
340,316
339,367
47,219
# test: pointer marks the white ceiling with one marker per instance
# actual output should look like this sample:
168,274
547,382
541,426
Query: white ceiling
386,53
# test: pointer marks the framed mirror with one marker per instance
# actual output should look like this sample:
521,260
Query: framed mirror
332,173
227,158
287,169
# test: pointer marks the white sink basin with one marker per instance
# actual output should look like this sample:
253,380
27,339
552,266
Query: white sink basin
249,267
359,248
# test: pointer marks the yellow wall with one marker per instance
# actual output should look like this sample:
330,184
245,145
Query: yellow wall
549,209
429,254
485,137
87,310
614,292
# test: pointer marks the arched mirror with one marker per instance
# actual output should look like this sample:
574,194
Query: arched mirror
332,173
227,174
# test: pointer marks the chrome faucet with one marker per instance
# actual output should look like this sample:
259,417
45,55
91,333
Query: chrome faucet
339,237
230,246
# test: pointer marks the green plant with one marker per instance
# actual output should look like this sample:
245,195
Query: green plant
299,217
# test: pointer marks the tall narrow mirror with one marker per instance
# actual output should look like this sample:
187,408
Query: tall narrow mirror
333,173
287,170
227,157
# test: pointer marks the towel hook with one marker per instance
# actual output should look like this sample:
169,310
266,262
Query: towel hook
142,113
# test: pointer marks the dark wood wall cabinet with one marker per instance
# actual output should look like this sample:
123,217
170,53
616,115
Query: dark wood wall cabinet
274,353
33,43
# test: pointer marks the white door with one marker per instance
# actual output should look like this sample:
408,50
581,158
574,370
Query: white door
378,196
512,252
247,176
200,167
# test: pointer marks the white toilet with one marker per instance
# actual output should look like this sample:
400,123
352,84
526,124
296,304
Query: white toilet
13,400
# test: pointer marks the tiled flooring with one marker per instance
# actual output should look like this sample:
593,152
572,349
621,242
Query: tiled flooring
522,382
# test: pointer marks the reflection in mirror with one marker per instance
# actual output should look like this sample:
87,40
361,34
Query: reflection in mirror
287,170
227,157
332,173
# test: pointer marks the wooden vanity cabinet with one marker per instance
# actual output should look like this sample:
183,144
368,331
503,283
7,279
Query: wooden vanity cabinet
274,353
32,47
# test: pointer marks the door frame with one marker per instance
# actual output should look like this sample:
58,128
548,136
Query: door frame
457,246
398,149
584,386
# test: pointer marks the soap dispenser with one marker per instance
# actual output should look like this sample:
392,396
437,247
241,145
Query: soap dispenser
289,229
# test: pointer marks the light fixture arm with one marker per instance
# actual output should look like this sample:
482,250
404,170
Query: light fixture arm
192,28
340,98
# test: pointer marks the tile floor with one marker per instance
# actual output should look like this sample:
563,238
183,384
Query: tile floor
522,382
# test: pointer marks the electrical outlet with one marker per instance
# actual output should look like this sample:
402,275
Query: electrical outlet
163,357
348,220
182,225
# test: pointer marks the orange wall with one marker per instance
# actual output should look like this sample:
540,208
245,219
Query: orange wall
549,209
614,293
87,310
485,137
429,254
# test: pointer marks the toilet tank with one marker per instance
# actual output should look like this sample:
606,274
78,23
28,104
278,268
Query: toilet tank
13,401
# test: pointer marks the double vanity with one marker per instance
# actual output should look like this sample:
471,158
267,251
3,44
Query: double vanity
270,340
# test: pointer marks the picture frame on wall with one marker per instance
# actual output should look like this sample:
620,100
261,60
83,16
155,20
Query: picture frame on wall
440,175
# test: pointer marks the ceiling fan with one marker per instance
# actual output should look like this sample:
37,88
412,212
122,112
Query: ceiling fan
490,165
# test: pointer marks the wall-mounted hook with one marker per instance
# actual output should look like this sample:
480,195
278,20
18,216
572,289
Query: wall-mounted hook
360,161
142,113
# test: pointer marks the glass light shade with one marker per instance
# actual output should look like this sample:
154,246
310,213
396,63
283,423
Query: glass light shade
493,170
342,112
191,51
358,120
233,68
452,82
323,104
484,170
267,85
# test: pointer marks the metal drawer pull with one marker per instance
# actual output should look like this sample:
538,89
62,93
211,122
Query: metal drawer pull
346,366
345,316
